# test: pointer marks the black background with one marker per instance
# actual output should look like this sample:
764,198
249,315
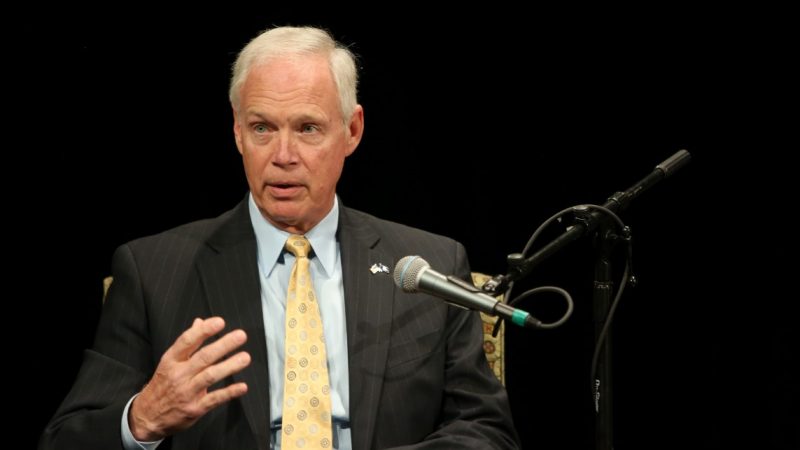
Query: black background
478,128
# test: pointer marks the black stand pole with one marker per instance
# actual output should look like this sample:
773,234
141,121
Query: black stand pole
602,297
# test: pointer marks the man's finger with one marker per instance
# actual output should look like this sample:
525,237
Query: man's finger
190,340
223,395
220,371
215,351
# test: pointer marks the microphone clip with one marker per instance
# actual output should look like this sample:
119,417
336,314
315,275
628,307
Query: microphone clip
468,286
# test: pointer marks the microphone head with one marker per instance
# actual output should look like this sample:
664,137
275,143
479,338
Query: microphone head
406,272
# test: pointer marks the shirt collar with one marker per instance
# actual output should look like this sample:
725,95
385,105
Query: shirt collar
270,240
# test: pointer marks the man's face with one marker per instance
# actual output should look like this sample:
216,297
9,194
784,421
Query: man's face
293,141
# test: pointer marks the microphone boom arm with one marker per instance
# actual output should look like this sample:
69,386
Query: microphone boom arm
587,222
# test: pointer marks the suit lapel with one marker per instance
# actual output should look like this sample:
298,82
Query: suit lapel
368,307
229,273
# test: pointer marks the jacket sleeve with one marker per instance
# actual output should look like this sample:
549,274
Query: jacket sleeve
116,368
475,413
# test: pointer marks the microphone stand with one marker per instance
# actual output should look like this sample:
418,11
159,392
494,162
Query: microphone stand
601,300
606,239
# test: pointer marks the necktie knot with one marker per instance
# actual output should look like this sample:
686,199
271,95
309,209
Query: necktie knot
298,246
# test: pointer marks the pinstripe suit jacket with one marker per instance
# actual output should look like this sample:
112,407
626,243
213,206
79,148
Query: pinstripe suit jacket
418,376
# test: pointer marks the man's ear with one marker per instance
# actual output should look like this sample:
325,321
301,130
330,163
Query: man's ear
355,129
237,129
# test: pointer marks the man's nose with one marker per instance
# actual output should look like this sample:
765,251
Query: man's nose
286,148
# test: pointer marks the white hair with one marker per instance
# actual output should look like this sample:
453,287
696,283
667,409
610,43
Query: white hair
288,41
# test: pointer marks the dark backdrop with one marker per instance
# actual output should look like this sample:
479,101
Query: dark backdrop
478,128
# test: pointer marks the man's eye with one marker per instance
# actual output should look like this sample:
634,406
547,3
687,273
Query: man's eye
309,128
260,128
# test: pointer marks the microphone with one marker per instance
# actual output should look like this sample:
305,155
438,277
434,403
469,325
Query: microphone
414,274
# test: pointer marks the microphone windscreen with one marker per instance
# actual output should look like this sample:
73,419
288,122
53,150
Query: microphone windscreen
406,272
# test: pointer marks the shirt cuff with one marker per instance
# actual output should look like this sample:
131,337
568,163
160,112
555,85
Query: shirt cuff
128,441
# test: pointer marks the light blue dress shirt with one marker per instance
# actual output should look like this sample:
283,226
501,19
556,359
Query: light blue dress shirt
275,268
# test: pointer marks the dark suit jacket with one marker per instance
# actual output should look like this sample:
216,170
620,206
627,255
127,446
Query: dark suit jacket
417,369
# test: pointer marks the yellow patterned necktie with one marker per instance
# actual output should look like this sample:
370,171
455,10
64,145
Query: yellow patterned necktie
306,389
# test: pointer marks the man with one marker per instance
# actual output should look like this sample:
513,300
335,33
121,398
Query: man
404,370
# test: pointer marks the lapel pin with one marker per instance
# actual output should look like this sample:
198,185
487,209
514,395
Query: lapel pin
378,268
